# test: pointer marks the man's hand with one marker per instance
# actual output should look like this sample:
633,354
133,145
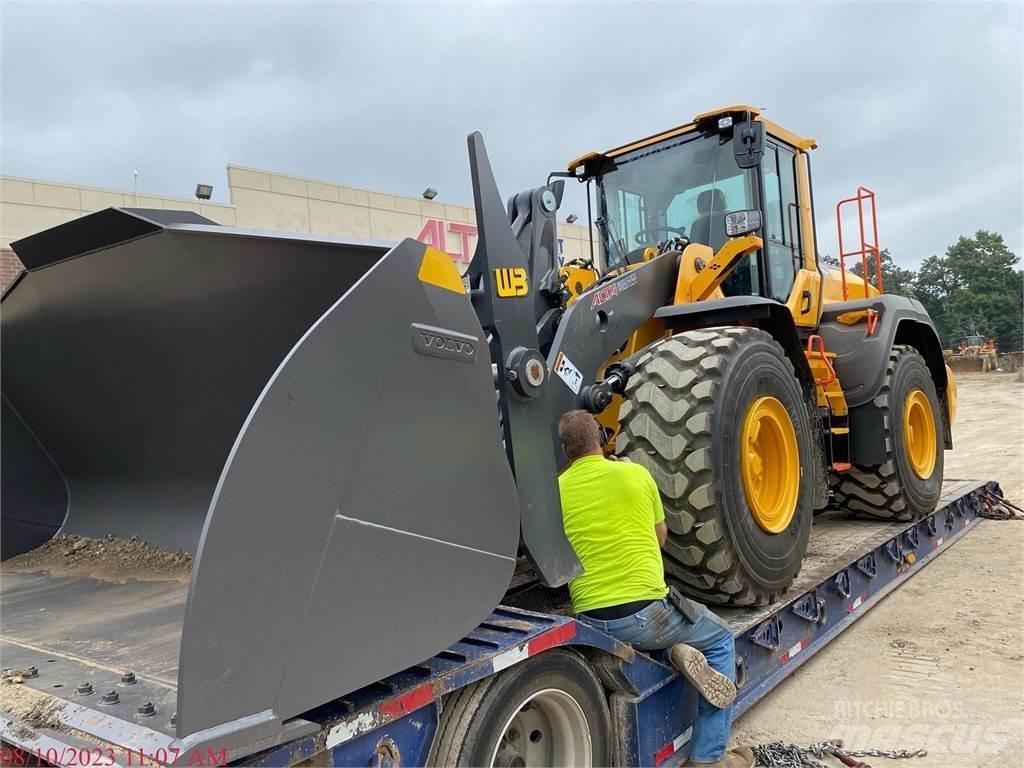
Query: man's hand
661,531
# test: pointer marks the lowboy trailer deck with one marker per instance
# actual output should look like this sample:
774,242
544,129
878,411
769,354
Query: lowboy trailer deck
851,566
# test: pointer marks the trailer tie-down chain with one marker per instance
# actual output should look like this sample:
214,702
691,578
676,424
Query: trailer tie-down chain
780,754
996,507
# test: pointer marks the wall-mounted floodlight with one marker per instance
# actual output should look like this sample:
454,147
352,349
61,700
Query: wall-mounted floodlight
429,193
571,218
204,191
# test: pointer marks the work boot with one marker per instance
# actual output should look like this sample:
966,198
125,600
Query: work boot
718,689
740,757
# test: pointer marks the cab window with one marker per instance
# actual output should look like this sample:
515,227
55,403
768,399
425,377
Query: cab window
781,220
679,189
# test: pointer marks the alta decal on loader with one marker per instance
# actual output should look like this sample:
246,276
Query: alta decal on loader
275,404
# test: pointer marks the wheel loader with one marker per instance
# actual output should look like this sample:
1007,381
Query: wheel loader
358,444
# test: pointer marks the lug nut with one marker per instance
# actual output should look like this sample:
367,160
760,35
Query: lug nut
110,697
84,689
147,709
128,678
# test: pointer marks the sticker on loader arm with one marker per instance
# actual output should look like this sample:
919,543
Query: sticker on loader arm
510,282
569,373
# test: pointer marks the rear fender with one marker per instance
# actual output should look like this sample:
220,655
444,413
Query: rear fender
861,359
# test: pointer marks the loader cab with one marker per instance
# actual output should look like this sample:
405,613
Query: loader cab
676,188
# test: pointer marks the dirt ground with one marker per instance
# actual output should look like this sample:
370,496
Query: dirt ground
938,664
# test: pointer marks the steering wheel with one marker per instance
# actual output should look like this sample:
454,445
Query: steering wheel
641,236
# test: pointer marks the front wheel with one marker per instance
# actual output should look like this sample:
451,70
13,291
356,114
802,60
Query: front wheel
548,711
719,418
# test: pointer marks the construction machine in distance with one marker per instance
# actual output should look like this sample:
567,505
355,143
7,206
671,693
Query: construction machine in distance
974,347
358,445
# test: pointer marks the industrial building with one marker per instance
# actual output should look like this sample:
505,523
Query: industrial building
260,199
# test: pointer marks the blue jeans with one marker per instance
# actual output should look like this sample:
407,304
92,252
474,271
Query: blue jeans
661,625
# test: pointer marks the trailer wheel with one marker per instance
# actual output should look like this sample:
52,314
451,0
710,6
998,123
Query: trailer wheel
719,419
908,485
547,711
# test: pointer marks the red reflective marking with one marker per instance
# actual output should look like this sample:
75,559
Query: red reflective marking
551,638
857,603
784,658
664,754
407,702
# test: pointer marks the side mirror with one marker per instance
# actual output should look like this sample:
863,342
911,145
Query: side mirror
748,143
742,222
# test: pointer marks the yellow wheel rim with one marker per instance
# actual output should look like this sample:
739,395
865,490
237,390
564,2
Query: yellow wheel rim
771,464
919,434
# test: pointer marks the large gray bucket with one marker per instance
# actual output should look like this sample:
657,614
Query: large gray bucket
278,405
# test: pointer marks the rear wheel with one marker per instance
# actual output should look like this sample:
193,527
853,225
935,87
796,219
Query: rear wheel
908,484
548,711
719,419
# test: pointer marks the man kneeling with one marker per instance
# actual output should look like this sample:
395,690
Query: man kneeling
614,520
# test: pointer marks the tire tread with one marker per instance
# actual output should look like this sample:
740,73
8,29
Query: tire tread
666,426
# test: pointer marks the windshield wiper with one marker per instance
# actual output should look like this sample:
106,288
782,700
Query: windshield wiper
602,227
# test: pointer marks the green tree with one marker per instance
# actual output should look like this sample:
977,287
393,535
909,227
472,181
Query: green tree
895,279
976,286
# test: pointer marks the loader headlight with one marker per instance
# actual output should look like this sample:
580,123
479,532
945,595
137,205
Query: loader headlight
742,222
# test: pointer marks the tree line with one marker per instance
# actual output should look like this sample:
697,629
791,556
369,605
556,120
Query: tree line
977,286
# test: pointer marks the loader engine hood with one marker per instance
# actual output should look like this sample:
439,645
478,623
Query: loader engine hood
273,404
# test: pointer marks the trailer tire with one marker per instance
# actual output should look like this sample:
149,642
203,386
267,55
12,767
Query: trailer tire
684,418
554,695
900,488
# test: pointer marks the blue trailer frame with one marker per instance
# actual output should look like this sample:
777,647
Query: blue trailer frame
394,721
652,706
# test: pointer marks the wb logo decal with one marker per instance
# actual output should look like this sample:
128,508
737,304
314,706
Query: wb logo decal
510,282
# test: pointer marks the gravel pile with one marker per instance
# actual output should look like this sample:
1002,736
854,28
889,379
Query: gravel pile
110,558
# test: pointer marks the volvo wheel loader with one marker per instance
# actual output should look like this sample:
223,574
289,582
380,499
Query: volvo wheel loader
358,445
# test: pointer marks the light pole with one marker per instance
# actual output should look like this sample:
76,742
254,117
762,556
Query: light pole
135,175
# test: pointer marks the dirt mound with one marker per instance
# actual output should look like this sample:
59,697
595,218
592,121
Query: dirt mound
110,558
35,709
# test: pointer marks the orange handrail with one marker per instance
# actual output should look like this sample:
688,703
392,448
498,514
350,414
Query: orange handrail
863,195
823,357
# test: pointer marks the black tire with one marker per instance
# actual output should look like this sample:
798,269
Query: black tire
892,491
682,419
473,718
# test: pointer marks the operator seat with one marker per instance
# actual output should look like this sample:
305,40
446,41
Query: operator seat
709,226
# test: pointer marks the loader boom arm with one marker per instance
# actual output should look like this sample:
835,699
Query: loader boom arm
544,353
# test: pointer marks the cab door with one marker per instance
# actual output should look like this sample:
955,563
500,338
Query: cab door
791,274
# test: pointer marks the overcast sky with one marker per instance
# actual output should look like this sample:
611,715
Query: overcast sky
920,101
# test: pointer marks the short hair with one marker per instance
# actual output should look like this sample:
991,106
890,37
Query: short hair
580,433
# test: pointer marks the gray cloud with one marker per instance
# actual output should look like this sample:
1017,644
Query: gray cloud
922,102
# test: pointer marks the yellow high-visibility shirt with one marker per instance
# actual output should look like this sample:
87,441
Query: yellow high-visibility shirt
609,509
